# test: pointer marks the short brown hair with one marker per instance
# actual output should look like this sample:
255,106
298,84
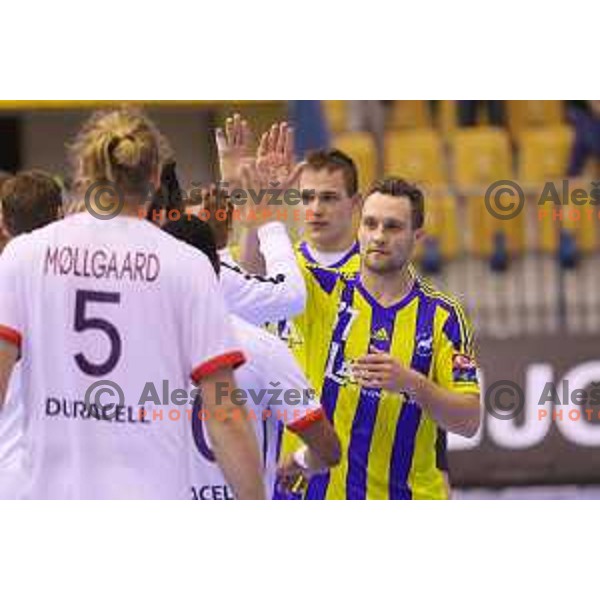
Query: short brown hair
335,160
29,200
400,188
4,175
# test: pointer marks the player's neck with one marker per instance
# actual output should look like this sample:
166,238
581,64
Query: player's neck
328,258
344,243
132,209
388,288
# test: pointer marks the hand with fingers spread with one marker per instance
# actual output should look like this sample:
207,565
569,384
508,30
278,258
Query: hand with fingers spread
234,144
271,176
275,157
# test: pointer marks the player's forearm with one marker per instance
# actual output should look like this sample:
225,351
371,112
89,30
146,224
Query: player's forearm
250,257
8,358
323,449
233,438
276,248
457,413
236,451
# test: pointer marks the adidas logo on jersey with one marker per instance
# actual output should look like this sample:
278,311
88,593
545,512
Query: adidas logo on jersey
381,335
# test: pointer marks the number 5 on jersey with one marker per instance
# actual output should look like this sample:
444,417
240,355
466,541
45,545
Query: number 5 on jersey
84,323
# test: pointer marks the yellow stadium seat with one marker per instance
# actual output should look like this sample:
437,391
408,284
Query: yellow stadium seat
583,225
547,230
416,155
336,115
441,223
408,114
447,120
479,240
361,148
482,228
481,156
582,221
544,153
524,114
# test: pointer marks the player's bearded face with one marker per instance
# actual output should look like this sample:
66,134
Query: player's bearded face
330,213
387,238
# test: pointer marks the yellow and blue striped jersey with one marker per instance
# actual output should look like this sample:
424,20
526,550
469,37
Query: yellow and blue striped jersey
349,263
391,448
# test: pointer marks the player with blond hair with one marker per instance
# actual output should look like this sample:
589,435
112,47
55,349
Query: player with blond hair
105,298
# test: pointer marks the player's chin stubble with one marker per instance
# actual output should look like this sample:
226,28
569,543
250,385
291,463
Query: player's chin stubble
385,267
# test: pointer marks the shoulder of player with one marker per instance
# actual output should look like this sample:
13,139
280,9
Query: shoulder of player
446,301
454,323
327,278
178,250
29,245
265,351
451,307
255,339
23,246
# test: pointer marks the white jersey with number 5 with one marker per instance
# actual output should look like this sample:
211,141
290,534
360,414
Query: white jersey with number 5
275,393
109,309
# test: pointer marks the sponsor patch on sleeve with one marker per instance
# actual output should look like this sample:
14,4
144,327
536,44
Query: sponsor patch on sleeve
464,369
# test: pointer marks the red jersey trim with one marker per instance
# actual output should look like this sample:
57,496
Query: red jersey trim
10,335
233,359
306,421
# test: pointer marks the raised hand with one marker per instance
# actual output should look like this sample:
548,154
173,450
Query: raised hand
275,157
234,144
267,179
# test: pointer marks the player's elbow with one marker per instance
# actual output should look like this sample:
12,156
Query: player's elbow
469,427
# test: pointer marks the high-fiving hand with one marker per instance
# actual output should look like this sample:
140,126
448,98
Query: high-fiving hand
274,165
234,144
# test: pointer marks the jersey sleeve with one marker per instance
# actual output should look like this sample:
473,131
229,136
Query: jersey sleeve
297,406
12,318
455,364
212,344
279,294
